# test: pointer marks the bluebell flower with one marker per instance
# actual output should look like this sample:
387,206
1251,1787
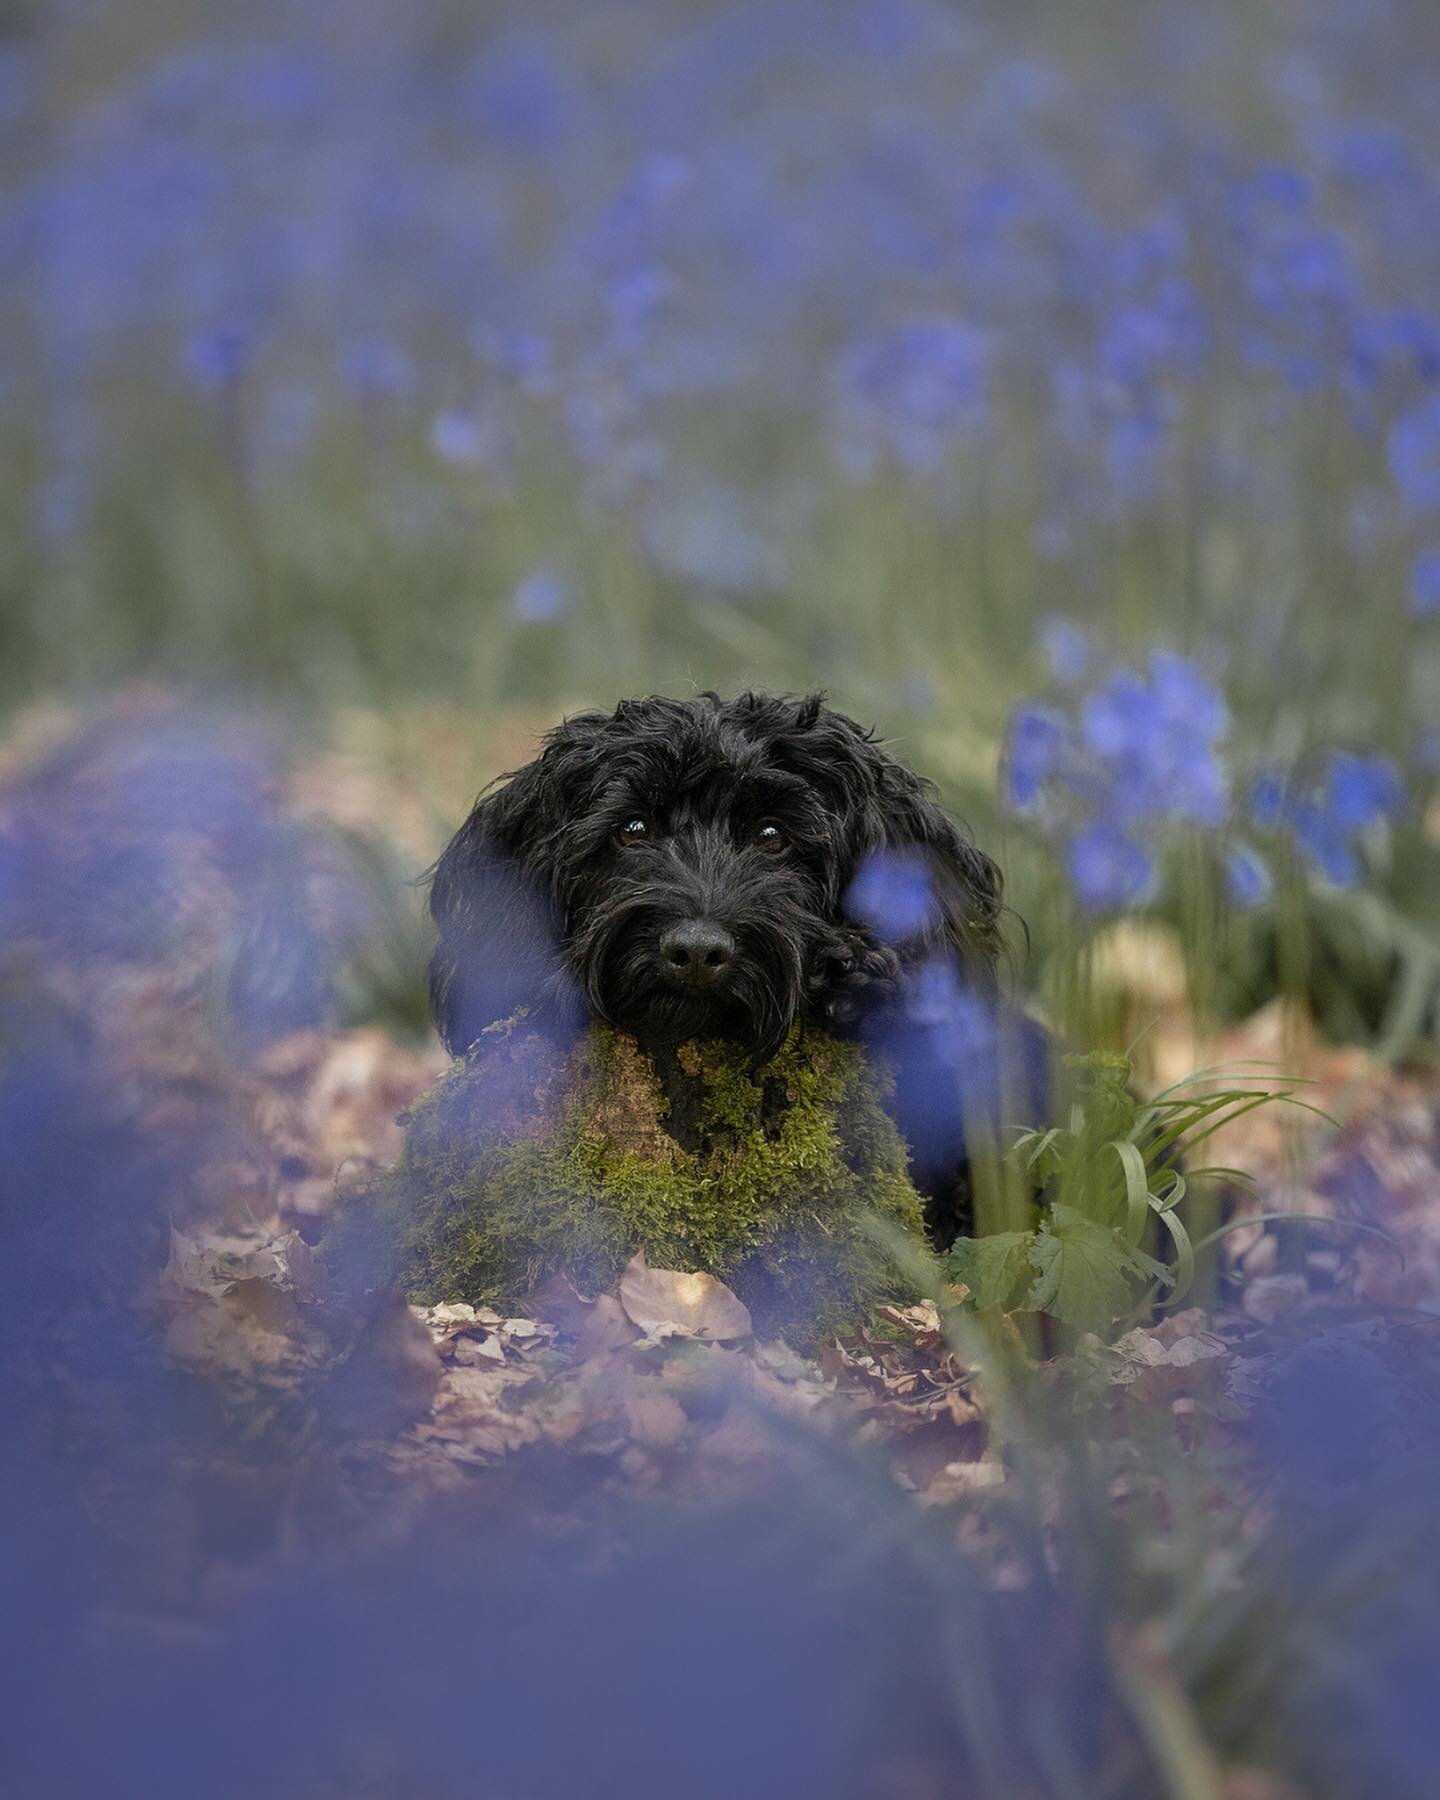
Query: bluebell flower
1280,185
1157,734
1186,696
635,300
658,179
1414,453
216,358
523,96
467,438
377,367
1328,815
1326,846
278,89
1367,152
1425,585
1395,344
542,597
1108,868
1300,269
889,29
1118,716
893,892
1035,743
1141,344
628,231
1067,651
1248,880
910,393
526,355
1268,797
1361,789
962,1024
1131,756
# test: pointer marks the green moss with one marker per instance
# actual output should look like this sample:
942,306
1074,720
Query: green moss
523,1163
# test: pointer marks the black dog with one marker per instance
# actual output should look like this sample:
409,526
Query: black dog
685,868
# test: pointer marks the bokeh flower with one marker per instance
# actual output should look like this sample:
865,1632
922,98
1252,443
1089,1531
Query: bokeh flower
1248,880
1327,808
910,393
542,597
1425,585
893,892
1125,759
216,358
1414,448
1067,651
1109,868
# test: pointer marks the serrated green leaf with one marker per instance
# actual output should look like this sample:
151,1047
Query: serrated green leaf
992,1267
1084,1271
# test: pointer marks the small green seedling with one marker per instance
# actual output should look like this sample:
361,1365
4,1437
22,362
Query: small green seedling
1108,1187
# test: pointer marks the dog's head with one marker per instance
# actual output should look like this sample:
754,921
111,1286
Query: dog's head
677,867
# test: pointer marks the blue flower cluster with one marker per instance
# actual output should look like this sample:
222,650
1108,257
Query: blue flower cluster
751,299
1113,765
872,218
1327,811
1114,760
910,393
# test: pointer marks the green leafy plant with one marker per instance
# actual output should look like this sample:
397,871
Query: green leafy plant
1107,1191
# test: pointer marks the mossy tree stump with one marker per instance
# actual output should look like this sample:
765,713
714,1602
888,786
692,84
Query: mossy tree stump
526,1162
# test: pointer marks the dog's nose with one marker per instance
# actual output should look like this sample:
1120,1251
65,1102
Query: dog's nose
697,951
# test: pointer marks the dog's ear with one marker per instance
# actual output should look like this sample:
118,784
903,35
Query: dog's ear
498,947
896,831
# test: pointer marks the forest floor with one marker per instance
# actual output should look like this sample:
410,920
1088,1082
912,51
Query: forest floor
271,1137
324,1428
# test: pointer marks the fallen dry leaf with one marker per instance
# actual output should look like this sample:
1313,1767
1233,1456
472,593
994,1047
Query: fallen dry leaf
607,1328
1162,1364
963,1481
327,1103
1270,1297
677,1303
232,1304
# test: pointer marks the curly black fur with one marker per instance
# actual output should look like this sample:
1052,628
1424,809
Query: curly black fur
740,823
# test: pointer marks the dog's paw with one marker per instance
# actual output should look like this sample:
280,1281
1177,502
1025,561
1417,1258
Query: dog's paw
849,977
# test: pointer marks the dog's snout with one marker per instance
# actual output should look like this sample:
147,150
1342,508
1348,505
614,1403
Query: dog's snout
697,951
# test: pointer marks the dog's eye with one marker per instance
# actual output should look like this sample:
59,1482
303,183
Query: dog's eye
769,837
634,831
